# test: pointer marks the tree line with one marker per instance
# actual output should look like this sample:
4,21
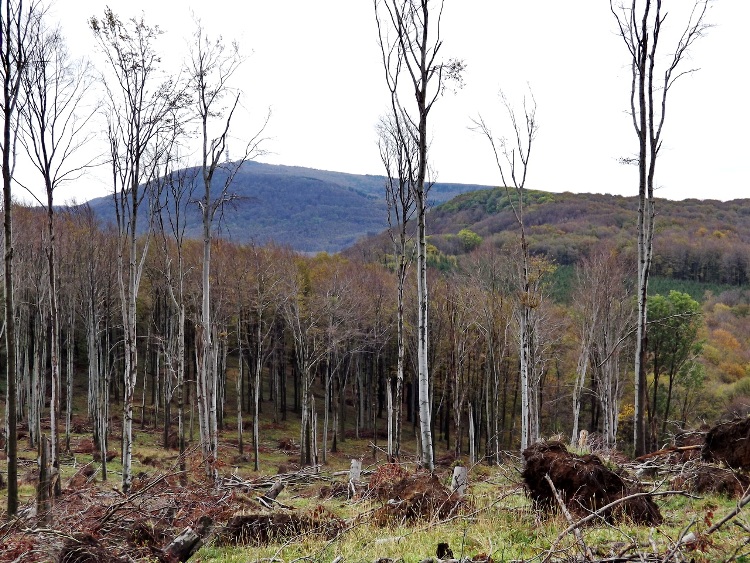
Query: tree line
299,336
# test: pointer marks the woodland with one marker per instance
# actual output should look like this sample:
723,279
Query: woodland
173,393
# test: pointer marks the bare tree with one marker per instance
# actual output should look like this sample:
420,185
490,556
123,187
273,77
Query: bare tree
140,113
94,246
178,192
494,320
408,49
16,38
264,286
55,118
398,153
640,27
307,324
210,67
512,160
586,311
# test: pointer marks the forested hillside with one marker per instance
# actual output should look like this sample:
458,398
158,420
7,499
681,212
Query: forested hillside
697,240
339,311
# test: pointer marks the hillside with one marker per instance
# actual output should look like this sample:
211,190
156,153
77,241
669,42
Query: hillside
309,210
697,240
317,210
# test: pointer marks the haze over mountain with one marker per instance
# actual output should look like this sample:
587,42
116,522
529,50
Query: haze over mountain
310,210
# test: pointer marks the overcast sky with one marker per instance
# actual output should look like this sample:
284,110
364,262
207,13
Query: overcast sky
316,65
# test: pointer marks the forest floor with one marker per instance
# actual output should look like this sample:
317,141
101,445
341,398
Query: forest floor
319,516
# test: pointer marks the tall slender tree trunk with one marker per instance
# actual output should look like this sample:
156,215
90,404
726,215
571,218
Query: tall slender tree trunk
399,399
128,297
69,373
238,386
10,98
425,416
256,391
55,339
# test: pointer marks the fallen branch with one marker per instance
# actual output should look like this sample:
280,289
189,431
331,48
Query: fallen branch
737,509
130,498
670,450
598,514
579,537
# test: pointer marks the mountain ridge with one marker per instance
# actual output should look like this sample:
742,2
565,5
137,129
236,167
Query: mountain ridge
308,209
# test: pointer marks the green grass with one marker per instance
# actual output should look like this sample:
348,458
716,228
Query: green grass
500,522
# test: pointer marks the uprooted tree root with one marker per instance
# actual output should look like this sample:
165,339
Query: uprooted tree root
265,528
702,479
585,484
420,496
729,443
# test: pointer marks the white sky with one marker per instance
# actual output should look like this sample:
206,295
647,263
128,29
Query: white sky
316,64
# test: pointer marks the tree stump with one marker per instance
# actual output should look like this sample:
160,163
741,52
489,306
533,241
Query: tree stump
267,499
355,470
460,480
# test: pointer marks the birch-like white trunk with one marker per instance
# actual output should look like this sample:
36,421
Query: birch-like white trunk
425,416
238,385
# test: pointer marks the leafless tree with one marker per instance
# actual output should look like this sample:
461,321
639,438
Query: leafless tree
398,153
140,112
640,26
307,324
17,37
172,221
210,68
91,290
265,301
410,41
494,320
586,310
512,160
55,119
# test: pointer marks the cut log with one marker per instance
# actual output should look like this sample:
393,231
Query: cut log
274,491
269,497
182,547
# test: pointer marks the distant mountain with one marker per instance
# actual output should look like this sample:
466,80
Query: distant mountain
307,209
